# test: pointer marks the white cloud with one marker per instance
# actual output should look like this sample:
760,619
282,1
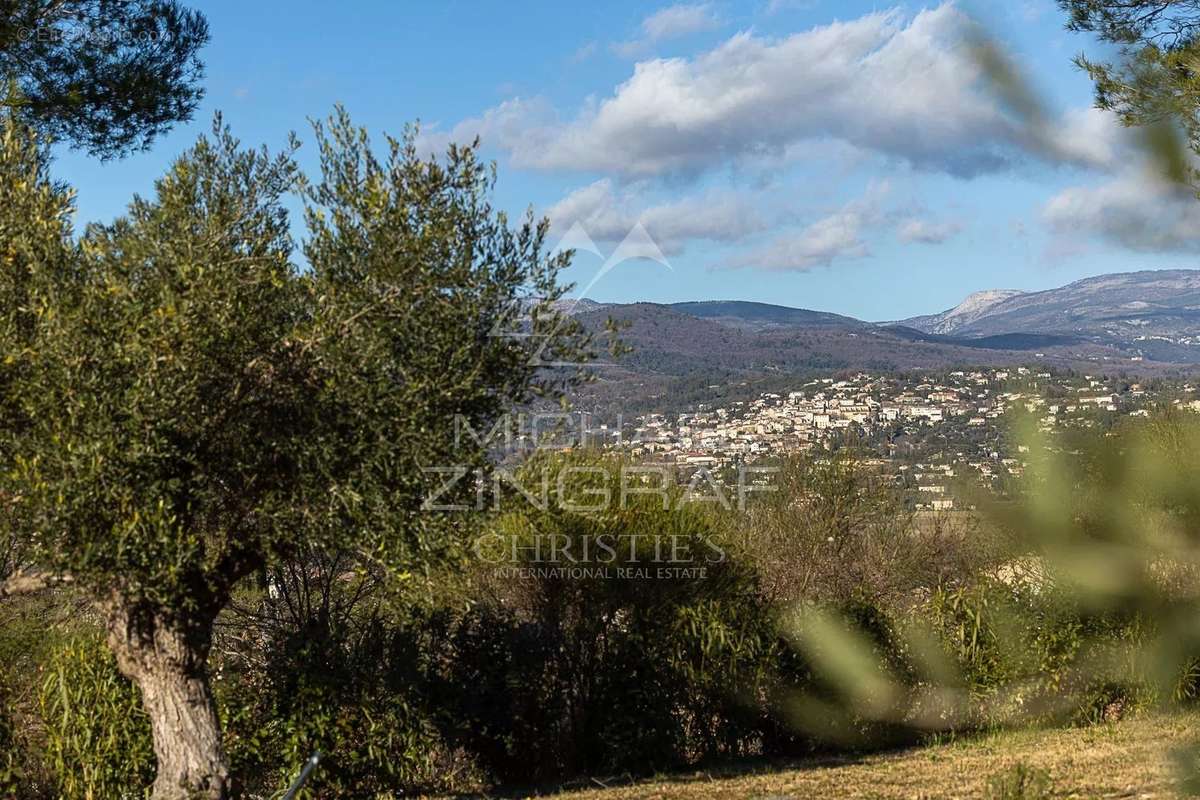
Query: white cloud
583,52
1137,211
908,89
1091,137
669,23
905,89
505,126
596,208
608,215
775,6
926,231
887,87
678,20
840,236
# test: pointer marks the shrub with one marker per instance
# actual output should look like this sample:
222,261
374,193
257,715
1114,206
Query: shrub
847,679
97,734
599,667
836,532
1033,653
350,687
33,630
976,624
10,771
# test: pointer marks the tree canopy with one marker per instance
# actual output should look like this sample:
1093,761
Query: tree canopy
184,406
1154,77
106,75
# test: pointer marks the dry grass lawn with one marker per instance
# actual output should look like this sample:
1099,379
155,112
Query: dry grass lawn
1129,759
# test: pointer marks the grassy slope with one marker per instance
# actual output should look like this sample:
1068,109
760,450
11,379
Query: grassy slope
1129,759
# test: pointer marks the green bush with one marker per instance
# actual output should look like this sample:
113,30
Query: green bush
97,734
32,631
978,625
543,699
1034,654
604,668
352,690
846,679
10,769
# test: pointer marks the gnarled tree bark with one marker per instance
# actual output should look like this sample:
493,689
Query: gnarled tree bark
167,658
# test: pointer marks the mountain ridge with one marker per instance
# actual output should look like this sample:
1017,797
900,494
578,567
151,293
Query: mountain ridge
1145,322
1140,303
1146,302
973,306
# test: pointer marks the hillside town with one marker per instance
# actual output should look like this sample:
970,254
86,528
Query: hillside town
930,431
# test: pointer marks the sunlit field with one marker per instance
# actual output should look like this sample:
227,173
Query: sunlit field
1125,759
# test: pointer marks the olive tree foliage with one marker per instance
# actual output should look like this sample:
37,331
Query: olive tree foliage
106,75
184,407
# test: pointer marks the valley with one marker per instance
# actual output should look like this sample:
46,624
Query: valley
1140,324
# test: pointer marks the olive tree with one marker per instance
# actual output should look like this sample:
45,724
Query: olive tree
184,406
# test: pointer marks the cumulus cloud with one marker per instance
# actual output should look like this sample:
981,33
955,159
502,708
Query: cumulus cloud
1089,137
890,86
924,231
607,214
505,126
669,23
908,89
839,236
596,208
905,88
1137,211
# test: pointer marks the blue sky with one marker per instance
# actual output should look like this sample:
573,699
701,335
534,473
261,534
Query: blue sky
841,156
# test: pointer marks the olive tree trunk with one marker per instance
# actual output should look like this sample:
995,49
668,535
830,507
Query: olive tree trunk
168,660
